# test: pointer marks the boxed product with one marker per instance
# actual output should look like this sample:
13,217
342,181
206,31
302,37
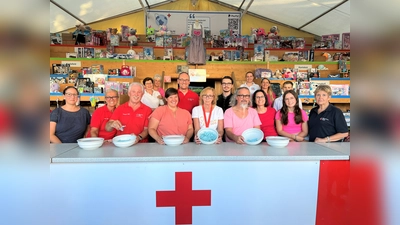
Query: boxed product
97,69
125,87
98,79
303,91
148,53
340,89
60,68
114,86
263,73
315,83
259,52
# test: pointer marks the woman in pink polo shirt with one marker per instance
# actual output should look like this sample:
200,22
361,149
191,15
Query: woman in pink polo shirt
291,121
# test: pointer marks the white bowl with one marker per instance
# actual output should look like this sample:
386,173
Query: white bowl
207,136
277,141
173,140
90,143
124,140
253,136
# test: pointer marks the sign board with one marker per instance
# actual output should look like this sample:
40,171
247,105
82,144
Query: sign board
197,75
72,63
203,21
303,67
179,21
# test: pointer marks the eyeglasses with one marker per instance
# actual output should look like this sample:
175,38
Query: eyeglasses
184,80
243,96
208,96
71,95
260,97
226,83
111,97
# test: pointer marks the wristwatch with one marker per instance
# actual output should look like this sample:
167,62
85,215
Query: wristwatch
329,139
140,137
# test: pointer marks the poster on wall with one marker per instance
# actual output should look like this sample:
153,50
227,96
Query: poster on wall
178,22
197,75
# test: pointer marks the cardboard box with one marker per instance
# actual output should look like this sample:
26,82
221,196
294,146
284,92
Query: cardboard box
67,36
71,42
124,43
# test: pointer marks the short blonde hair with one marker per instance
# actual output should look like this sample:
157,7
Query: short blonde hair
157,77
323,87
214,101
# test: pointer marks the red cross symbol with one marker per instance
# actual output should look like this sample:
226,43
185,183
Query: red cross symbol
183,198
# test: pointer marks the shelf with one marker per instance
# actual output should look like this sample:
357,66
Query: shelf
330,78
145,44
183,61
328,50
58,75
82,97
334,99
126,77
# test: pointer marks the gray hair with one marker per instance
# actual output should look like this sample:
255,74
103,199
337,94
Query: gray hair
323,87
234,102
136,84
157,77
111,90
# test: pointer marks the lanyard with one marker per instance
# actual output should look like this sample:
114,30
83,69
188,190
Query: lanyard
207,121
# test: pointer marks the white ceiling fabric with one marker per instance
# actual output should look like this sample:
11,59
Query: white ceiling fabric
294,13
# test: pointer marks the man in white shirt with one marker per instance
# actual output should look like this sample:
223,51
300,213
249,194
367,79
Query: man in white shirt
286,86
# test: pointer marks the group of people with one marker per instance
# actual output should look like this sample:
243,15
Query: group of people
152,113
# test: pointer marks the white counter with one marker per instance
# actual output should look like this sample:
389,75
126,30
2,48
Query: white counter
57,149
343,147
153,152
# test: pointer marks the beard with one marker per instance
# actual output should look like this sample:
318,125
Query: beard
244,105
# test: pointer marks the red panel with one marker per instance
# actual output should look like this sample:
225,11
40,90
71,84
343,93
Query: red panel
333,204
366,192
334,191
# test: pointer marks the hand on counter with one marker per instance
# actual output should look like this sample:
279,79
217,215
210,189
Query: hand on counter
240,140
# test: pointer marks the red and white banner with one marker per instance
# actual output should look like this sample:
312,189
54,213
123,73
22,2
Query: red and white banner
252,192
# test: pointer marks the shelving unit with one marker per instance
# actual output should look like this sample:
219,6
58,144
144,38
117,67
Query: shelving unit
83,96
215,69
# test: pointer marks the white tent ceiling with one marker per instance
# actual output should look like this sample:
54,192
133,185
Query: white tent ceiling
317,17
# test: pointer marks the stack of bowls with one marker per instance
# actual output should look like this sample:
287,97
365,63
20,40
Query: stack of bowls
173,140
207,136
90,143
253,136
124,140
277,141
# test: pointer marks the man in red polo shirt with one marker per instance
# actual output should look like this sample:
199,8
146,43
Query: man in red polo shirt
187,98
132,117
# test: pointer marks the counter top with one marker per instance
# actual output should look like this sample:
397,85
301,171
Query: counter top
153,152
57,149
343,147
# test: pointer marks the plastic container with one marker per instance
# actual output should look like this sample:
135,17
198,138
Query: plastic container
90,143
173,140
207,136
253,136
124,140
277,141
